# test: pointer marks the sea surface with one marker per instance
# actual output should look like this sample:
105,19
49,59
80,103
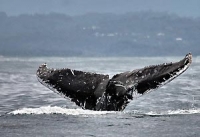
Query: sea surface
28,109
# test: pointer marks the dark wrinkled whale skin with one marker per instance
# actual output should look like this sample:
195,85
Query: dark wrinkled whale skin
98,92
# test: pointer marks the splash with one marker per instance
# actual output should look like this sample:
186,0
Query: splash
58,110
175,112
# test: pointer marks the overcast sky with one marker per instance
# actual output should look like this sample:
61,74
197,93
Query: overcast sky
77,7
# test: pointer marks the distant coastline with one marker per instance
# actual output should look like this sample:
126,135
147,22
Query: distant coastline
144,33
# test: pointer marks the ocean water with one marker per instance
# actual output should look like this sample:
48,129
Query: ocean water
27,108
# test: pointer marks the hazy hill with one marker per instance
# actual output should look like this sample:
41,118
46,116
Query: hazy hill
131,34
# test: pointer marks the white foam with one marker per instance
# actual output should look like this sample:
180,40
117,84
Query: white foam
175,112
58,110
66,111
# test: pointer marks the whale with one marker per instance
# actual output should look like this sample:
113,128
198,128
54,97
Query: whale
100,93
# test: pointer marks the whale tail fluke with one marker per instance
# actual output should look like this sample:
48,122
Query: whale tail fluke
151,77
77,85
98,92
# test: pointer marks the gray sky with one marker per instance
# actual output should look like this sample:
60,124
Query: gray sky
77,7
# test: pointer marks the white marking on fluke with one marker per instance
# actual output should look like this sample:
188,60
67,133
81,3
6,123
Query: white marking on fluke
72,72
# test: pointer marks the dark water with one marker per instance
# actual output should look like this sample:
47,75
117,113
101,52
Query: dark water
27,108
